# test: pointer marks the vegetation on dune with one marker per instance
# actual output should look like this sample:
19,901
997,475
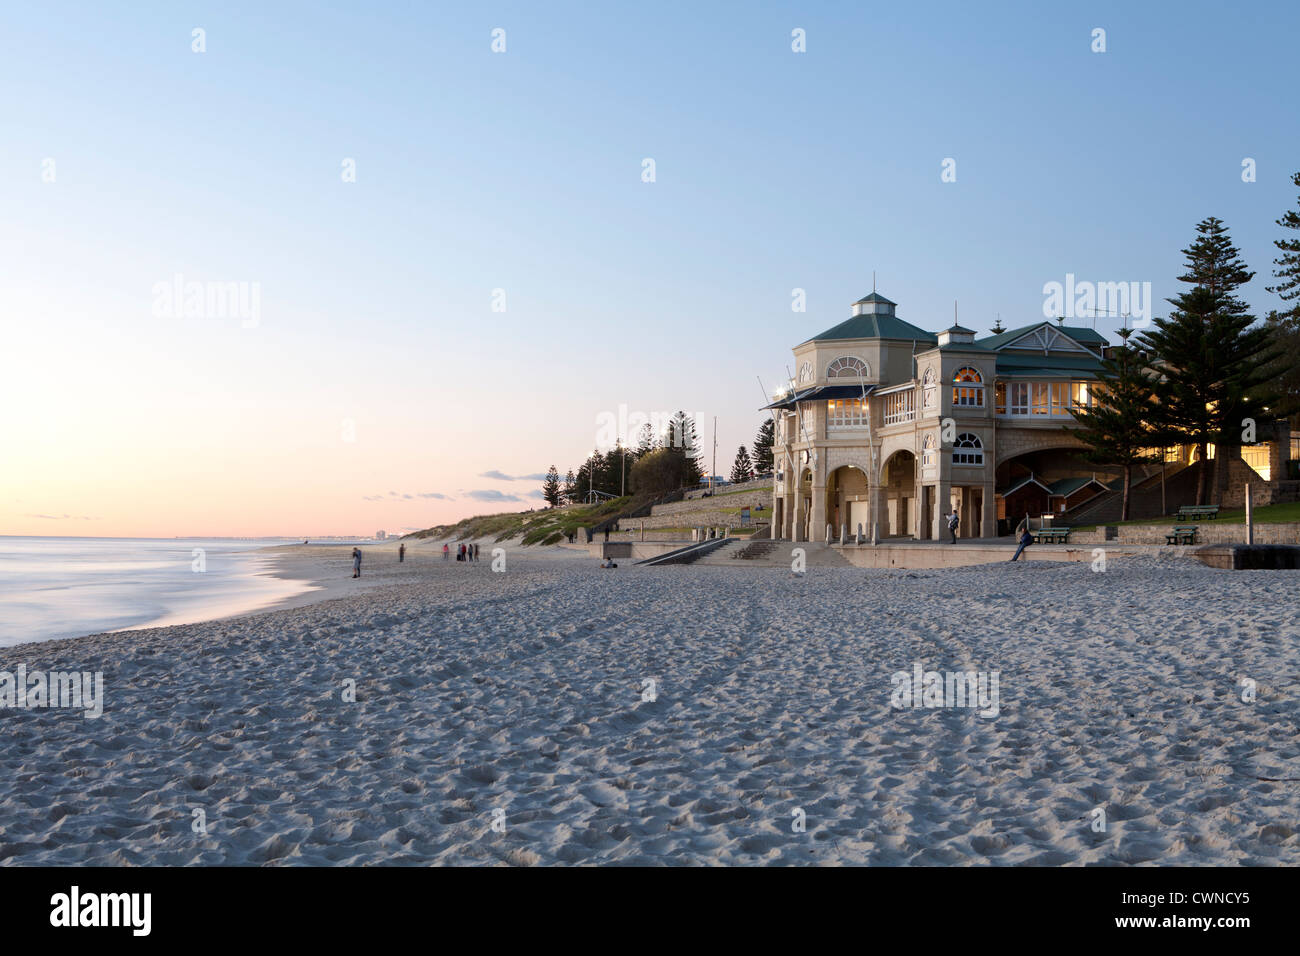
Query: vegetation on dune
535,527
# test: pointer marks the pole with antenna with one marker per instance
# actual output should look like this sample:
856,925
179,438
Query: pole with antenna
714,470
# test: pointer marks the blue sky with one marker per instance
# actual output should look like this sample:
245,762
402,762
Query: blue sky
521,171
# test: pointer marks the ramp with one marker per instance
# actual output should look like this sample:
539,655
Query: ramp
692,552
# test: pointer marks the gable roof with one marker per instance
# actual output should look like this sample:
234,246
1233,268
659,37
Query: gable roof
1083,336
1068,486
1027,480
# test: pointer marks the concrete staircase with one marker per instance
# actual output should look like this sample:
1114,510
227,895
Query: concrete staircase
1144,499
754,550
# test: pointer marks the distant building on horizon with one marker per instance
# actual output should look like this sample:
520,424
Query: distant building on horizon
381,535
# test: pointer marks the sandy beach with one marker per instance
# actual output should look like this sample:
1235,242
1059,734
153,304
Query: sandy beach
561,713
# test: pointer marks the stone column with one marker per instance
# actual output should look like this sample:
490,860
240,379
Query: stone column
988,512
818,507
796,530
920,518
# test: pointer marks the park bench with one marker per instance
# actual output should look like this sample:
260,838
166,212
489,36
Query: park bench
1209,512
1182,534
1050,535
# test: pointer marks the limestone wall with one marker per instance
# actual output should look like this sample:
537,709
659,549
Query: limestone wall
1208,532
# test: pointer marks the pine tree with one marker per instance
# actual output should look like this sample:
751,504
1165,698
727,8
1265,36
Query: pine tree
1284,326
1214,263
1288,264
680,437
614,470
742,470
551,487
1115,427
762,455
645,440
570,492
1212,364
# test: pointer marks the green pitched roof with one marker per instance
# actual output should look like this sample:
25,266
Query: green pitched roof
1080,333
1068,486
1011,365
874,327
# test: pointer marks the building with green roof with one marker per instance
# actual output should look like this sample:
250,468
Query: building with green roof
943,420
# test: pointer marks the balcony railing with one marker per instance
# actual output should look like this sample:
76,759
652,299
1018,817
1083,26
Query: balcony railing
900,407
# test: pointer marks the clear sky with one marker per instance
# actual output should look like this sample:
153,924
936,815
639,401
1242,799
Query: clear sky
376,386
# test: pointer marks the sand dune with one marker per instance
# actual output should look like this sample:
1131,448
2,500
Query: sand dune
525,692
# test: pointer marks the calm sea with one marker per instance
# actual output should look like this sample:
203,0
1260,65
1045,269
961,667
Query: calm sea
68,587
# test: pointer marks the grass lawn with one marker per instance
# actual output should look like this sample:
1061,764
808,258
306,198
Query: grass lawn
742,491
1267,514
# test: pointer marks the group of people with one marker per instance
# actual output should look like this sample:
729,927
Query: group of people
464,552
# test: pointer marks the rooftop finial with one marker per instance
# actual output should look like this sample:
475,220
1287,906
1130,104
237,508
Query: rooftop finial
873,280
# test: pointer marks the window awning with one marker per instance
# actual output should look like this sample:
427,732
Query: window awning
820,393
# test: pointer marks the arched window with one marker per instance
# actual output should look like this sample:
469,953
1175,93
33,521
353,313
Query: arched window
846,366
968,388
927,451
929,390
968,450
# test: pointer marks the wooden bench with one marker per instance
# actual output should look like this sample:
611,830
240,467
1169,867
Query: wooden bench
1209,512
1049,535
1182,534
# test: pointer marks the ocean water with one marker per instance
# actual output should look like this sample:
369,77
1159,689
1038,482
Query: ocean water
69,587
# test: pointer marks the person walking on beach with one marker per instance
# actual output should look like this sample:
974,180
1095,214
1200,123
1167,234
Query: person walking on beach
953,521
356,562
445,551
401,553
1025,539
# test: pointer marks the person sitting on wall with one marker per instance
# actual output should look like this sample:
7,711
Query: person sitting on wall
1024,538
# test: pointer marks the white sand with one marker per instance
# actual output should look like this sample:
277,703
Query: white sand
521,692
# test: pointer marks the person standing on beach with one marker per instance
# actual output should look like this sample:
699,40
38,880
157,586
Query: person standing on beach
953,521
401,553
445,551
356,562
475,547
